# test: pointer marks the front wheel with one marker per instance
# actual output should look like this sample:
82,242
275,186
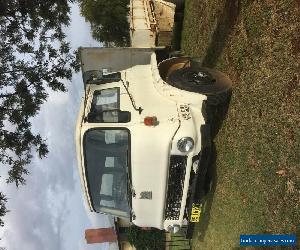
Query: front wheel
195,78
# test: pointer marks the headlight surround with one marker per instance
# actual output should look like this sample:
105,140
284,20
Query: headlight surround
174,228
185,144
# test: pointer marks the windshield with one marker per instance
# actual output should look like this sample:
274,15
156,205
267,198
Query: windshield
106,170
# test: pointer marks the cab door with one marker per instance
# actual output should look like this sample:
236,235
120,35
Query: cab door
127,103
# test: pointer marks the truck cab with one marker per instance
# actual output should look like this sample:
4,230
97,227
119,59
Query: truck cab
142,140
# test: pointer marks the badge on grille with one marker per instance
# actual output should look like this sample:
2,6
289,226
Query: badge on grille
146,195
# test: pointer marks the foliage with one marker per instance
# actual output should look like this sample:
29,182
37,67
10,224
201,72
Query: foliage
108,20
34,57
3,209
146,239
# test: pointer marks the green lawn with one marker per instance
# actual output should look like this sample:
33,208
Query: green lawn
257,43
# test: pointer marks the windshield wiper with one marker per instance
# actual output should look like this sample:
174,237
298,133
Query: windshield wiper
130,191
130,194
129,187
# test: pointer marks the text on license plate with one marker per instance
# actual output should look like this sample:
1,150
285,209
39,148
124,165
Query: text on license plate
196,212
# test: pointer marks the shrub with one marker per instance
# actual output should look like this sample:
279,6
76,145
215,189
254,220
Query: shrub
146,239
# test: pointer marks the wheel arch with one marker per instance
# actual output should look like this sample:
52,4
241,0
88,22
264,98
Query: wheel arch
159,73
215,85
171,64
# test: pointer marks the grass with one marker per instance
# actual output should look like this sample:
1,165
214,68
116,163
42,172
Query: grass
178,242
256,43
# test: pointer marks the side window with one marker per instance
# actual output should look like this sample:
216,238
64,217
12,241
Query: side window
106,99
105,107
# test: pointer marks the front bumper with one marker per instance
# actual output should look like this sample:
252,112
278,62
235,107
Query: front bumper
198,188
187,175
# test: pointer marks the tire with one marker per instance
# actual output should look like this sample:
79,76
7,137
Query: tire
195,78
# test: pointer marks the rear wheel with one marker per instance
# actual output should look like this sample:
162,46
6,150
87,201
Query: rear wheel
193,77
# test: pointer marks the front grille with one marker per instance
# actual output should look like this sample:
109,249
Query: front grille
175,186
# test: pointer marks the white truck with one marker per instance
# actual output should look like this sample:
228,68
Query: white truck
152,22
142,135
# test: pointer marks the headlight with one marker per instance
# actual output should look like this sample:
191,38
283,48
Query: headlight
174,228
185,144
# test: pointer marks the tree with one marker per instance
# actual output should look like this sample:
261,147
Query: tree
3,209
34,57
109,20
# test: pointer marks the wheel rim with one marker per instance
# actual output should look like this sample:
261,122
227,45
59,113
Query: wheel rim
198,77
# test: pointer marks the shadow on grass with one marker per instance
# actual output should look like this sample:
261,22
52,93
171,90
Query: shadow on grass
217,116
224,28
226,22
177,31
178,25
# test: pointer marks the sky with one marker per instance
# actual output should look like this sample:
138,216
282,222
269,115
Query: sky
49,212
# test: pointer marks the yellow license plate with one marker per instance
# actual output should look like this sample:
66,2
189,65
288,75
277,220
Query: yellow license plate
196,212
